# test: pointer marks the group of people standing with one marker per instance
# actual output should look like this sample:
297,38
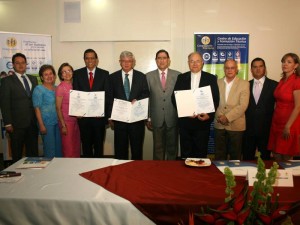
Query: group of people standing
260,115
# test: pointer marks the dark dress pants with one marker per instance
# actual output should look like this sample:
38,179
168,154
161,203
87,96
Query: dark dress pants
24,136
92,134
193,142
125,133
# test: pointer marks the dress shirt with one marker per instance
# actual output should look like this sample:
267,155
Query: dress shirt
195,80
228,87
88,72
21,79
166,73
261,81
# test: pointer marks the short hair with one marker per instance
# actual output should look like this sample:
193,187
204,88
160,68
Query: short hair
18,55
257,59
194,53
162,51
44,68
295,57
128,54
227,60
59,72
90,51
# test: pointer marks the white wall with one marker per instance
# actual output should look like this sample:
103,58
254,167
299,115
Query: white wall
272,25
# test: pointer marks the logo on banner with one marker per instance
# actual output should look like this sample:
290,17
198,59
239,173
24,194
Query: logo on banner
11,42
205,40
206,56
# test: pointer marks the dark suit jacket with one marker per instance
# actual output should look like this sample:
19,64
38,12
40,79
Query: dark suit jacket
138,89
184,83
101,83
16,107
259,116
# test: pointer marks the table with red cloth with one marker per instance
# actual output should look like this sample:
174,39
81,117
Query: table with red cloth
166,191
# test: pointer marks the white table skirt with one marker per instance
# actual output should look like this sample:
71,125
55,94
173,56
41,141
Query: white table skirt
58,195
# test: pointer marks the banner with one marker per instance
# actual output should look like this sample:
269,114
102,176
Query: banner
36,48
216,48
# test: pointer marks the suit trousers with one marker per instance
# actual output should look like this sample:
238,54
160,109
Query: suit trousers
253,142
24,136
92,133
165,142
125,133
228,143
193,142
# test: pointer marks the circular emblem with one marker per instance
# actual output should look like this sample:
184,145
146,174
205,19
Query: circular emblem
206,56
11,42
205,40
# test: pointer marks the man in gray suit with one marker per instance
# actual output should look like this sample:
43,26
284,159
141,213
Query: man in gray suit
162,113
17,109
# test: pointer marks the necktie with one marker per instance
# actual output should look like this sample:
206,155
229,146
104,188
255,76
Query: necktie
163,80
27,88
91,80
257,90
126,86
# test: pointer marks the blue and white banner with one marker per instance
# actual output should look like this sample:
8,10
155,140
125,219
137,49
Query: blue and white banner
36,48
218,47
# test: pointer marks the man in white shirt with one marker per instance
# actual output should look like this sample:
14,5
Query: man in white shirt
17,109
230,122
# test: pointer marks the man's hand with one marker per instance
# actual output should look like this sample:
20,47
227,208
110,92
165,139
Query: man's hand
9,129
203,116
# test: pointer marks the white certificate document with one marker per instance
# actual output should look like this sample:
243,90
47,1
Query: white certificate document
193,102
87,104
126,112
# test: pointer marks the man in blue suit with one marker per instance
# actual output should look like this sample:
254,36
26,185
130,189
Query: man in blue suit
137,89
17,109
92,129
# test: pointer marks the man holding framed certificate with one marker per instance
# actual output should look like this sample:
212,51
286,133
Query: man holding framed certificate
128,85
194,129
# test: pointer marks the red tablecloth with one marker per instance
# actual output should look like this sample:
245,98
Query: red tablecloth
165,191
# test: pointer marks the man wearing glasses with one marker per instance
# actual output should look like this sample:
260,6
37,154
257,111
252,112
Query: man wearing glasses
194,130
130,85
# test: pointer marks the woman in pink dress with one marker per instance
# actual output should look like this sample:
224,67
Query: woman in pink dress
68,124
284,141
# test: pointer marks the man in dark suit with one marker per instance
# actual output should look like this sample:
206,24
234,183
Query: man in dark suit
137,90
259,112
163,115
17,109
92,129
194,130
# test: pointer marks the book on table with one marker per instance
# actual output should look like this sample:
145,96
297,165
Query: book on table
35,162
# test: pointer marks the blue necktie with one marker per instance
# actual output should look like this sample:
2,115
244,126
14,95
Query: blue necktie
27,88
126,86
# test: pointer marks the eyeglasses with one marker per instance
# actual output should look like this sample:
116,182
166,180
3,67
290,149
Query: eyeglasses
67,71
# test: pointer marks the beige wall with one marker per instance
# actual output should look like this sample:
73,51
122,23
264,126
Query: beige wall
272,25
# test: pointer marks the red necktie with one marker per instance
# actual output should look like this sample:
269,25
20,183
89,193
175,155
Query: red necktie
91,80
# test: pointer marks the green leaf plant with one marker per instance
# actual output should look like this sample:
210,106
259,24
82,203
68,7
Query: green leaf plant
255,208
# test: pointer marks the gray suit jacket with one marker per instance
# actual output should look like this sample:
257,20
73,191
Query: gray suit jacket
161,108
236,105
16,107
